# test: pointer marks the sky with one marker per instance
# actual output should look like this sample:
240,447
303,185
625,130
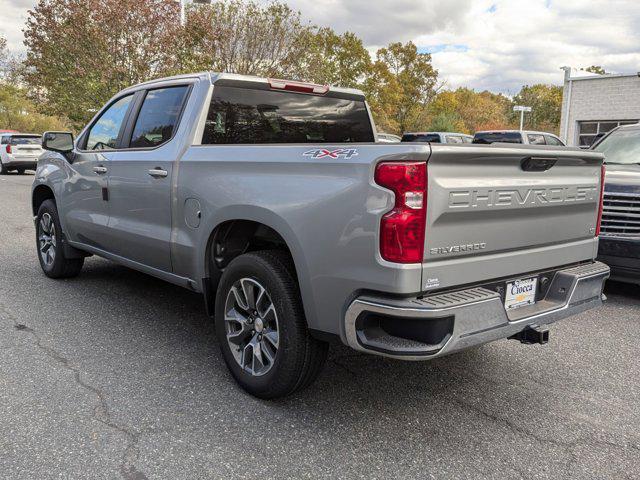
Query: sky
496,45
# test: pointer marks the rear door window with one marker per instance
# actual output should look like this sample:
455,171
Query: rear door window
158,117
251,116
421,137
454,139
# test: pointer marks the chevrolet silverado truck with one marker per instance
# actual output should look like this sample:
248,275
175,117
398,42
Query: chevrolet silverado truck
273,199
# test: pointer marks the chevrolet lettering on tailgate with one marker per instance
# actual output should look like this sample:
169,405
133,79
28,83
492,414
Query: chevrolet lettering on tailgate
485,198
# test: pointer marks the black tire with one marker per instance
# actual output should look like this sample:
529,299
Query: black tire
3,169
59,266
299,357
20,171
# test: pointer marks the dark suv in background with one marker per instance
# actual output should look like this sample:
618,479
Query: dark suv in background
620,230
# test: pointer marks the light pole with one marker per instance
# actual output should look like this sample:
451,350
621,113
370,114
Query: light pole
521,109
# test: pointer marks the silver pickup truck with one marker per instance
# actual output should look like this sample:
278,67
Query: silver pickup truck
273,199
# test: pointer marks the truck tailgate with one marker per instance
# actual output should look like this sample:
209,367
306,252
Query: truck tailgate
496,211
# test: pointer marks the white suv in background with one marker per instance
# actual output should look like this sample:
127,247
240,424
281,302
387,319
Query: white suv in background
517,136
19,152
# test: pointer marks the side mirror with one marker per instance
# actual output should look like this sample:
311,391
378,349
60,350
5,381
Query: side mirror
61,142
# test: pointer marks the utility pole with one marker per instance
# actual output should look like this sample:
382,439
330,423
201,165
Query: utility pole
521,109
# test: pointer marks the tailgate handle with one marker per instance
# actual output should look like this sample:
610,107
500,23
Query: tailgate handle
538,164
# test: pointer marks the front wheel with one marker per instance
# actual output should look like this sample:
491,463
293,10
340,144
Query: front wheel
261,327
53,262
3,169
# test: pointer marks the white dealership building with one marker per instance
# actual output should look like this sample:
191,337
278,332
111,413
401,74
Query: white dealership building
593,104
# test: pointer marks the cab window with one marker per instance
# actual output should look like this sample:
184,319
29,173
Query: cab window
535,139
105,132
158,117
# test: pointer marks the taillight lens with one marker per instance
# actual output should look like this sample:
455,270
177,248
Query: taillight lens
402,230
601,207
9,148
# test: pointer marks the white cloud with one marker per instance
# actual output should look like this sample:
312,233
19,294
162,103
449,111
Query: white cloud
485,44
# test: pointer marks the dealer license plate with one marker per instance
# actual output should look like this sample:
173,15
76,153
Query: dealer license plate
521,293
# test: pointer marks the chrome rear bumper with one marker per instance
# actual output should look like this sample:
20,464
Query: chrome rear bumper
452,321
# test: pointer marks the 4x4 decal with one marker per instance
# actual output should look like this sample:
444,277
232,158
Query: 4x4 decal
337,153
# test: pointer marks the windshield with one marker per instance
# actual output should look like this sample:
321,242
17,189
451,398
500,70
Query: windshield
25,140
622,146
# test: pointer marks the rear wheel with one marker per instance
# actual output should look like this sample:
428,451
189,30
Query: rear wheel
50,249
20,171
3,169
261,327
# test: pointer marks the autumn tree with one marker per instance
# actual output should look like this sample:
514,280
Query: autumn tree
546,105
400,84
242,37
81,52
331,59
17,112
472,111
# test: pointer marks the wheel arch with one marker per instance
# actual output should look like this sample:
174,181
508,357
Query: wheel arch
259,229
41,193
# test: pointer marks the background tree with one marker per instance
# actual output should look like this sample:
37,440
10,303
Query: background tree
17,112
242,37
400,84
330,59
469,111
4,54
546,104
81,52
595,69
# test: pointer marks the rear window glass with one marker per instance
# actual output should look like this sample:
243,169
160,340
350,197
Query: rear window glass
247,116
535,139
494,137
26,140
421,137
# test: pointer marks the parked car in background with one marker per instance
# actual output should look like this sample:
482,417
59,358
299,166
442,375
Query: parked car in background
388,138
437,137
620,231
273,200
517,136
19,152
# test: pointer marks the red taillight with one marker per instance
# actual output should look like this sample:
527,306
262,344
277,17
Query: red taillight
402,230
600,208
298,86
9,148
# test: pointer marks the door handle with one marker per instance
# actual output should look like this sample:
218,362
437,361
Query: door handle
100,170
158,172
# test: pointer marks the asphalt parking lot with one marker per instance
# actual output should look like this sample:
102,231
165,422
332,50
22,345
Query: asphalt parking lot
118,375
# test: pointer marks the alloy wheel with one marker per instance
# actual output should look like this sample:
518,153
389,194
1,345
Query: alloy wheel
251,326
47,239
